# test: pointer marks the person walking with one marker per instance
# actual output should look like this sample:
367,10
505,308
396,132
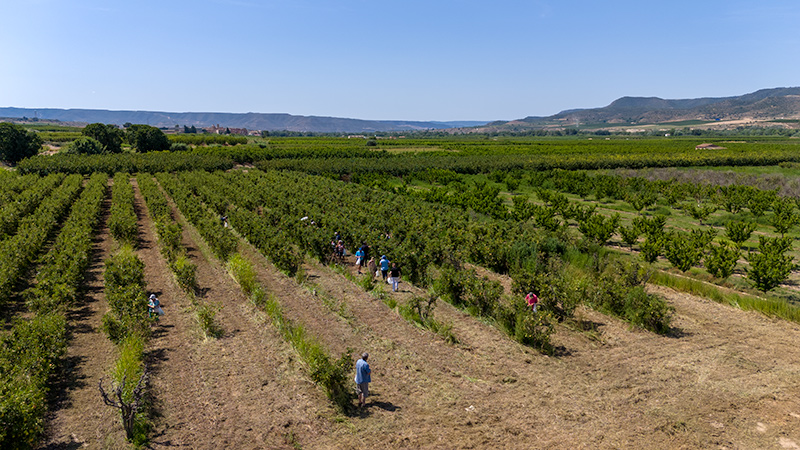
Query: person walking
394,276
384,267
362,379
359,259
372,267
532,300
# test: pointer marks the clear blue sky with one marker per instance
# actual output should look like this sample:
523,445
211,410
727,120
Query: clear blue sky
388,59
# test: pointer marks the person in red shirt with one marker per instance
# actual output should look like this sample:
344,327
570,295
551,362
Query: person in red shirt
533,301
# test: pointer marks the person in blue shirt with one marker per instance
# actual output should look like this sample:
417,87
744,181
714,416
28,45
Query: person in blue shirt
362,379
359,259
384,267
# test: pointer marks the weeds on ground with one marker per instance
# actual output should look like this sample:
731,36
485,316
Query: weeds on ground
205,314
419,310
769,306
330,374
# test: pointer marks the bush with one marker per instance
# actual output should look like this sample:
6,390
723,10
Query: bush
185,273
124,280
123,221
16,143
738,232
771,266
27,357
647,310
722,260
535,329
243,273
84,146
206,316
108,136
483,295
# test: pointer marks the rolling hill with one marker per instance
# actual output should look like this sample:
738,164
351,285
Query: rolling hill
759,106
251,121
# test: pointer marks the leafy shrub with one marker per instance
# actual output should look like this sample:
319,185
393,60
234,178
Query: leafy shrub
771,266
647,310
124,280
483,295
682,251
85,146
27,357
722,260
178,147
123,221
738,232
206,314
535,329
243,273
185,273
619,290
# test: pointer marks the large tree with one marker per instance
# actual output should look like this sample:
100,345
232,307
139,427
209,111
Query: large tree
17,143
108,135
146,138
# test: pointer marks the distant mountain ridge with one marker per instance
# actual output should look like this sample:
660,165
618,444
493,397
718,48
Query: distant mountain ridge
764,104
251,121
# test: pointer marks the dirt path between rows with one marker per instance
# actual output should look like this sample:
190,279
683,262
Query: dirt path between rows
240,391
78,417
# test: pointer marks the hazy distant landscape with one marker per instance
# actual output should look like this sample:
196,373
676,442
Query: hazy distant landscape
777,107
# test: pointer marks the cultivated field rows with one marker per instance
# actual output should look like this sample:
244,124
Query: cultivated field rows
723,378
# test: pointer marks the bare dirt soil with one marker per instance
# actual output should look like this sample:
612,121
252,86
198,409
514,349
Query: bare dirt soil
243,390
722,379
77,416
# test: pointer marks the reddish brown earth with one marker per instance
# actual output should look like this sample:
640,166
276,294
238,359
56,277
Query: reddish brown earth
723,378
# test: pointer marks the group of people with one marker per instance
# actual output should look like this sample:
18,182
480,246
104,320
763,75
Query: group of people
387,270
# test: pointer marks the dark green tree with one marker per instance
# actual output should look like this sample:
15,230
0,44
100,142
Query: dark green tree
770,266
147,139
784,217
682,250
85,146
108,135
599,228
17,143
738,232
721,261
630,235
652,247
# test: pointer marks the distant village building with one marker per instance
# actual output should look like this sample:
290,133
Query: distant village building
709,147
216,129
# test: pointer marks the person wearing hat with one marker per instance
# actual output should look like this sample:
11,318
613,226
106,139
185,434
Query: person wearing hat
154,307
384,267
362,379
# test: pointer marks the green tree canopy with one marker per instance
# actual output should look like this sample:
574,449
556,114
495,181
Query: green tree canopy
109,136
17,143
146,138
85,146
